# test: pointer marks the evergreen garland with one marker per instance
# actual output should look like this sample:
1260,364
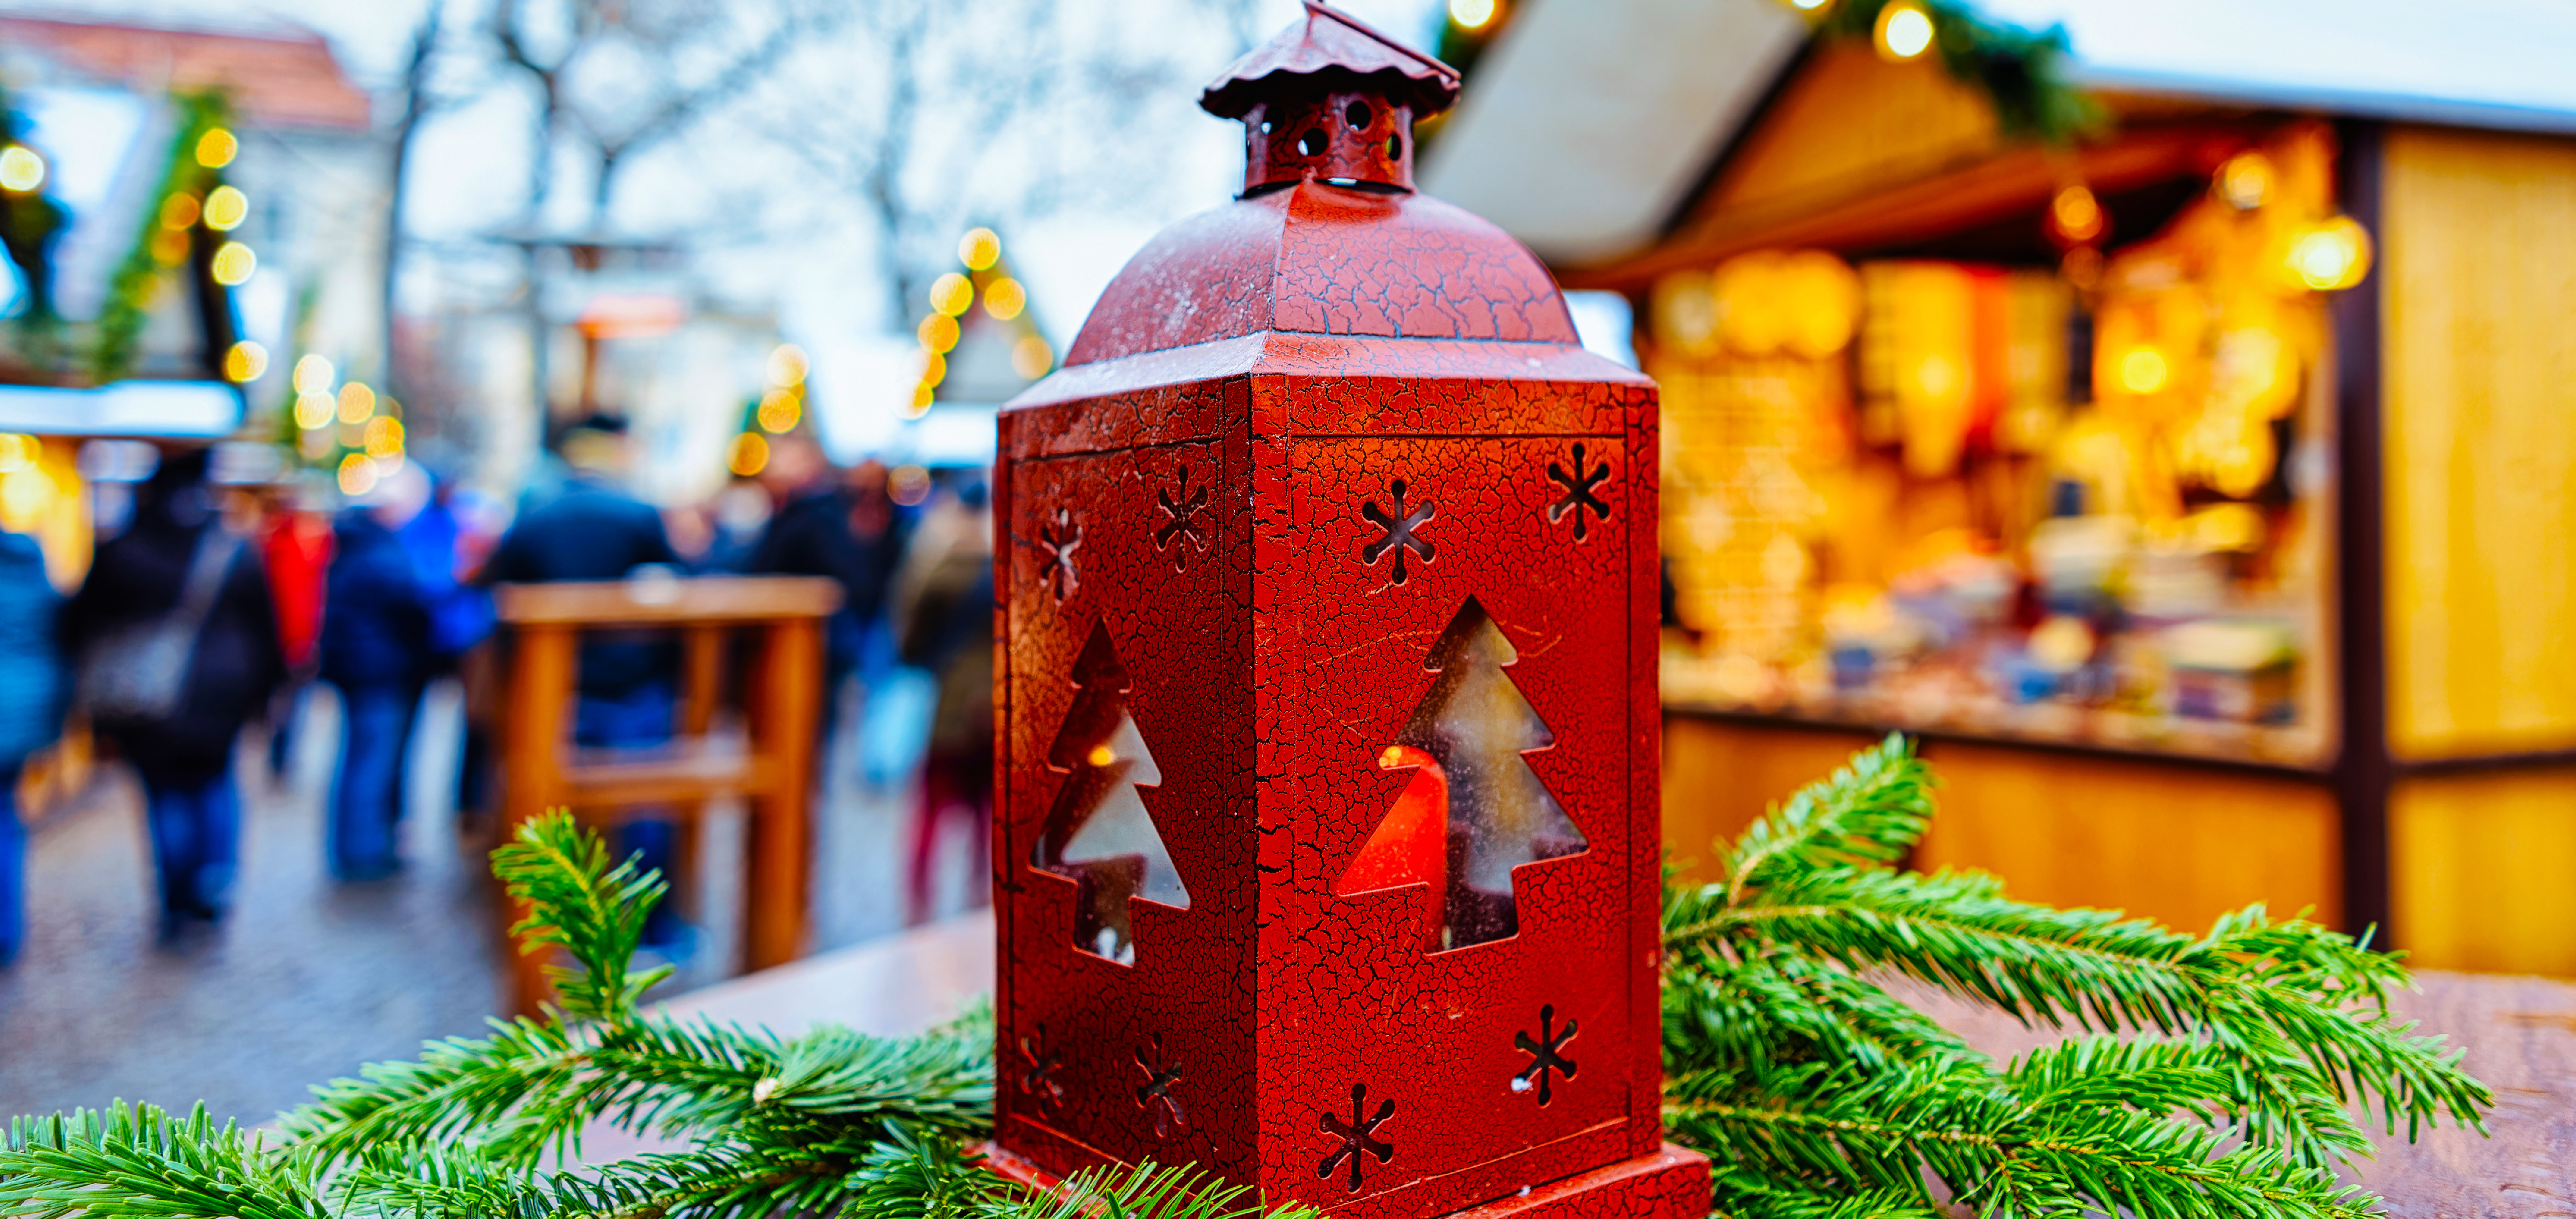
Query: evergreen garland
1816,1093
2021,72
138,276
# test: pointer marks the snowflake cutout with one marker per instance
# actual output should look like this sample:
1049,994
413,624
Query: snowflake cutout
1578,492
1156,1094
1358,1135
1180,519
1039,1079
1402,531
1543,1053
1059,538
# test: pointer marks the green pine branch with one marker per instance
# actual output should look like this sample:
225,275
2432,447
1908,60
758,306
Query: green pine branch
2206,1076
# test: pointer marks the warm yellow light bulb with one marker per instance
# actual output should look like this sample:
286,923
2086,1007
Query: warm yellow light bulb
750,455
216,148
979,249
233,264
780,409
2143,371
20,168
1471,14
1004,298
2076,215
313,411
934,370
226,208
1904,30
17,452
357,402
922,397
384,437
244,362
313,375
357,475
2245,181
2332,255
1101,755
939,333
788,365
951,293
179,211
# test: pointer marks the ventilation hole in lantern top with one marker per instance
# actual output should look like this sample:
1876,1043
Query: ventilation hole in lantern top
1358,116
1395,148
1311,144
1265,126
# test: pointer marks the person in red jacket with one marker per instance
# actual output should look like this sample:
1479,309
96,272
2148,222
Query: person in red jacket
295,543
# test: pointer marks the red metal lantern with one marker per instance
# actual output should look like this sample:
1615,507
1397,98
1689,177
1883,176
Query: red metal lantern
1327,856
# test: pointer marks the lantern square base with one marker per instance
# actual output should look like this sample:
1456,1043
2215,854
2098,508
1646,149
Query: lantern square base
1669,1183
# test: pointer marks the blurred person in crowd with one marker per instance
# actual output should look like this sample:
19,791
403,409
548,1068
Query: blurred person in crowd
813,533
176,639
944,619
295,547
376,651
33,690
737,519
628,688
450,542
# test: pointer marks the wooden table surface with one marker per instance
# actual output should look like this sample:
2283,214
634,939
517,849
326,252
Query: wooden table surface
2520,1033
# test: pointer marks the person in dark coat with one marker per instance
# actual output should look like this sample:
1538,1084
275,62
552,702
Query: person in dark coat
33,692
376,652
184,757
812,533
627,694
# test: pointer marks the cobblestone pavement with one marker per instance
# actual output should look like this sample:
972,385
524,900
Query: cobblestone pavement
309,977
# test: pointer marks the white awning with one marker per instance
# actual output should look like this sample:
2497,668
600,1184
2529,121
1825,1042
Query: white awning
174,410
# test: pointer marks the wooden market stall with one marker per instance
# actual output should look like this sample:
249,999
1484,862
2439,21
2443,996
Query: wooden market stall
2194,489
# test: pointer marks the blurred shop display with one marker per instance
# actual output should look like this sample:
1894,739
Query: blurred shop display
2172,431
2060,502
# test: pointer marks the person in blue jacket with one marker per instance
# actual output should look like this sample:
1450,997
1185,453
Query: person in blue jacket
34,687
376,652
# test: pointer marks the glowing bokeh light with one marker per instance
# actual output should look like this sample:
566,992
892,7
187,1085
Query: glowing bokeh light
1471,14
216,148
313,375
170,247
2332,255
1904,30
780,409
979,249
908,485
2076,215
357,475
357,402
233,264
2245,181
384,437
934,370
244,362
939,333
20,168
226,208
1004,298
922,397
2143,371
952,293
179,211
1031,357
788,366
17,452
313,410
749,455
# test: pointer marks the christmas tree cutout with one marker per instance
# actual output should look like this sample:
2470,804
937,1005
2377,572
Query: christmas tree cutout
1475,810
1099,833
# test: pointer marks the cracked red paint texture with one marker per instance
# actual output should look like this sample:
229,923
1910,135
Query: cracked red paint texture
1294,354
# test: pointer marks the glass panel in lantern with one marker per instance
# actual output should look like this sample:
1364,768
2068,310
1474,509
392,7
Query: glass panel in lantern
1474,810
1099,833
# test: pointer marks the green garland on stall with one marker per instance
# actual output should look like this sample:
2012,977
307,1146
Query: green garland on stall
1817,1094
2021,72
130,289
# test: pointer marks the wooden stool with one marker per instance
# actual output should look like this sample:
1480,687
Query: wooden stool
774,770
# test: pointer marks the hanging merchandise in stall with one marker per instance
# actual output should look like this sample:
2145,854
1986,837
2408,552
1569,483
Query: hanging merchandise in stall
2077,502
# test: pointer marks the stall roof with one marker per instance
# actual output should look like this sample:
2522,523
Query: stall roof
1588,124
285,77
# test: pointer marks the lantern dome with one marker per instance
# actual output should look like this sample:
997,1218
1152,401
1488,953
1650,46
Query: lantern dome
1328,236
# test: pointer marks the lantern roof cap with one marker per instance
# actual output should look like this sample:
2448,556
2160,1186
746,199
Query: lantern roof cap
1328,47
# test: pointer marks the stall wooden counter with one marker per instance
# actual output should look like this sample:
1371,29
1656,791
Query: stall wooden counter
2520,1033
